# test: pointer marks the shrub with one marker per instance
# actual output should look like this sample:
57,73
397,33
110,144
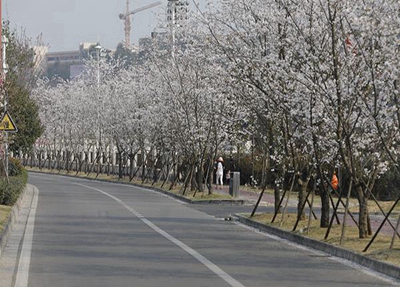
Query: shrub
14,167
10,191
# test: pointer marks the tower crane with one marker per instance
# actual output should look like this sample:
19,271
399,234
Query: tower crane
127,21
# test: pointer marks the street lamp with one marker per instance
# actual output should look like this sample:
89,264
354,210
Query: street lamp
177,11
4,41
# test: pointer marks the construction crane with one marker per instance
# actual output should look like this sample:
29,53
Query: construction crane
127,21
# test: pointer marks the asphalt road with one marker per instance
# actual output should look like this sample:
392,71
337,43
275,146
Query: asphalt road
89,233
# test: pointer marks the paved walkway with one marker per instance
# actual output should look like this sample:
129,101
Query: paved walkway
253,195
11,253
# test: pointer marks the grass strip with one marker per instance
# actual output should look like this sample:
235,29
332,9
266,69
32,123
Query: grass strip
4,213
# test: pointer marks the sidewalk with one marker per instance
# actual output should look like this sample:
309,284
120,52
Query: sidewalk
10,254
252,196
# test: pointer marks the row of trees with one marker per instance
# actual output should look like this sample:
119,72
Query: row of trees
314,84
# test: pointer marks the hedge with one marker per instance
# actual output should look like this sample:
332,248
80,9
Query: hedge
10,191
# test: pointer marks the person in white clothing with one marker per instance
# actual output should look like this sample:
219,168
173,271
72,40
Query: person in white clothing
220,172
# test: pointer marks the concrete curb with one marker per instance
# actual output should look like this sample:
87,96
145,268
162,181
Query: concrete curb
12,217
176,196
187,200
378,266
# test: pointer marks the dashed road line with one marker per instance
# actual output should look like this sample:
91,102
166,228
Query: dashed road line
214,268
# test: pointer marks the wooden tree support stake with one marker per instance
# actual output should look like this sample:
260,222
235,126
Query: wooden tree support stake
380,227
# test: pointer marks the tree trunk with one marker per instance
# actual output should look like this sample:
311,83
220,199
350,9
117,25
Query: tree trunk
200,178
302,196
363,213
80,163
277,197
86,161
324,207
369,224
48,159
67,160
40,159
120,175
131,163
211,177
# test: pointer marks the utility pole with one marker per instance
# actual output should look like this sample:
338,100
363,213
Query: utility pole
7,124
177,15
1,22
4,42
3,82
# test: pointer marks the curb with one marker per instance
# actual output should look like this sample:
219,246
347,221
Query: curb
378,266
10,221
187,200
176,196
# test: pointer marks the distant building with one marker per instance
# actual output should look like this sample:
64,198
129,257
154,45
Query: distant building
62,57
159,43
76,70
86,46
61,64
146,43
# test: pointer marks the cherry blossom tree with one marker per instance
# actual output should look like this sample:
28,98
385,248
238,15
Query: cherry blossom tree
315,83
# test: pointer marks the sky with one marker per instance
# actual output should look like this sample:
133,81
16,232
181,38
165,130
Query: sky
64,24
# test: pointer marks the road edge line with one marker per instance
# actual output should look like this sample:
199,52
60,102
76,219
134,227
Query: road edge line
22,276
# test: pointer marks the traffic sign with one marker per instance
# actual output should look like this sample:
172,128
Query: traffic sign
7,124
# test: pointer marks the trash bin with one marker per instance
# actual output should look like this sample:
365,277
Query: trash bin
234,184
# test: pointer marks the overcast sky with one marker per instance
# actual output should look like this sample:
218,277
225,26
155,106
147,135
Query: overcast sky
64,24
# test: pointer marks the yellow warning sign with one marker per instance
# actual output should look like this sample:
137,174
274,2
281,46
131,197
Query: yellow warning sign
7,124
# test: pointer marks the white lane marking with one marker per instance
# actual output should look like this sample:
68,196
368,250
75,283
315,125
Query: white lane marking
214,268
136,187
25,256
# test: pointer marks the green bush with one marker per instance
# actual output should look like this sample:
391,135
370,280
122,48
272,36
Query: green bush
14,188
11,190
15,167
